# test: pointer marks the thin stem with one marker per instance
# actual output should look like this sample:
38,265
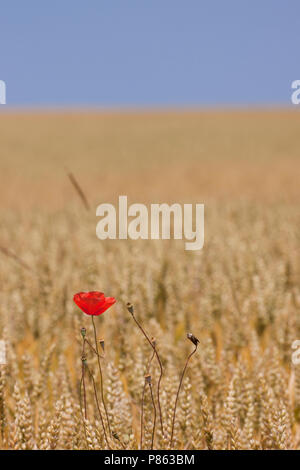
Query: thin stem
82,381
161,369
177,395
79,190
82,384
142,416
92,348
143,399
115,436
101,376
84,419
97,402
16,258
154,417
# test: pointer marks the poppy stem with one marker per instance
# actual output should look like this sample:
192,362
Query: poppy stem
84,418
82,382
130,309
115,436
101,376
143,399
154,417
98,406
177,395
93,349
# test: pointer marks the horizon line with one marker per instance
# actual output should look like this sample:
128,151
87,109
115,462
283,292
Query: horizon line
134,109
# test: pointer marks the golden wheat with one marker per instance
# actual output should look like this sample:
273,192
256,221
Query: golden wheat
240,295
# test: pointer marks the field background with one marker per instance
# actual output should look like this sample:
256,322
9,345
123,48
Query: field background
240,295
208,155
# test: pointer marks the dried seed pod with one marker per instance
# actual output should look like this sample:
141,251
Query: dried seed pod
193,339
129,307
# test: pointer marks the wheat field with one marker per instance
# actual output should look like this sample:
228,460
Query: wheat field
240,295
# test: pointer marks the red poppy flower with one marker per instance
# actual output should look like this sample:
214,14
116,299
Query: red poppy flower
93,303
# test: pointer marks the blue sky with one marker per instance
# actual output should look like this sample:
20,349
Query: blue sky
132,53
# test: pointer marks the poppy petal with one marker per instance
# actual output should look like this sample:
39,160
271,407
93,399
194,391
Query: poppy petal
93,303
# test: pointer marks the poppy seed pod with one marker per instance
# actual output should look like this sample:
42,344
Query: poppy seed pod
83,332
129,307
193,339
